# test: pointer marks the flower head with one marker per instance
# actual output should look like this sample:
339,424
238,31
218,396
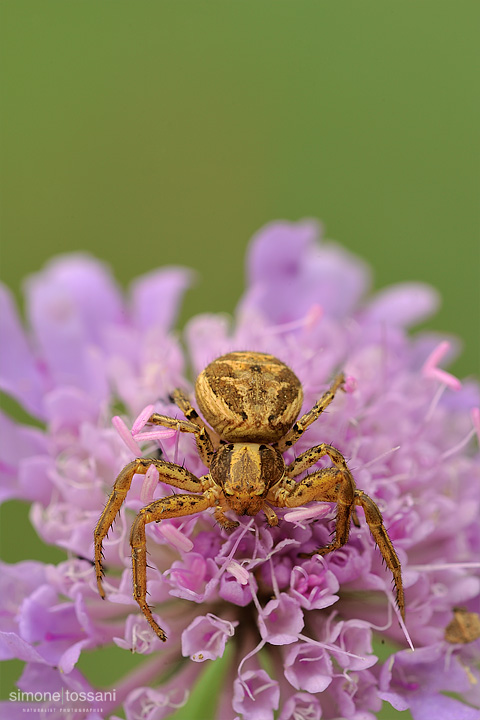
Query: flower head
406,426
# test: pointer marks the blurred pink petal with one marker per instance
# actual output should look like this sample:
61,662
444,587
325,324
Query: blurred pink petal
403,304
156,297
20,374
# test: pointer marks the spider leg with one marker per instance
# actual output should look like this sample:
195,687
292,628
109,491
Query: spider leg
169,507
221,518
181,400
311,457
194,424
169,473
327,485
336,484
374,519
306,420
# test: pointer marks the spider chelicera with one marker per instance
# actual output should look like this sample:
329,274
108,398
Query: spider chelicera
251,401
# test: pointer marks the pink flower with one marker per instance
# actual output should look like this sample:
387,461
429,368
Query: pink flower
256,695
406,426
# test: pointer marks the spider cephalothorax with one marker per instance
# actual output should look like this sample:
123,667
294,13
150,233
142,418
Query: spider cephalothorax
252,401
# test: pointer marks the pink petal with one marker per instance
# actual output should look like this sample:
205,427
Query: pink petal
12,646
19,373
289,272
475,412
156,297
404,304
17,442
70,304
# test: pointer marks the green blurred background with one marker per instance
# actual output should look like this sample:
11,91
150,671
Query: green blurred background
153,133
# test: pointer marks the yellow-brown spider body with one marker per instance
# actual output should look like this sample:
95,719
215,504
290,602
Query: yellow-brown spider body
249,396
246,472
252,401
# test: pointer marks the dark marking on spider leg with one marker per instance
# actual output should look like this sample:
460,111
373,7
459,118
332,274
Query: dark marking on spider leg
139,565
168,473
311,456
296,432
320,483
172,423
332,485
204,446
374,520
172,506
181,400
203,434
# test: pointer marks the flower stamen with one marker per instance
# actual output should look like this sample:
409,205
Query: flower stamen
430,368
132,437
175,537
308,321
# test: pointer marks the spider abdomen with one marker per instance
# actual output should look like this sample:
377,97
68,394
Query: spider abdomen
249,396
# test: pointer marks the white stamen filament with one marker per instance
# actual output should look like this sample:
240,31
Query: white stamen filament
175,454
244,660
379,457
232,552
459,445
434,403
276,590
392,602
325,646
445,566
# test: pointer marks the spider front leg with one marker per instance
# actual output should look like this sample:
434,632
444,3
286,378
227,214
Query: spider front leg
169,473
296,432
194,425
181,400
169,507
